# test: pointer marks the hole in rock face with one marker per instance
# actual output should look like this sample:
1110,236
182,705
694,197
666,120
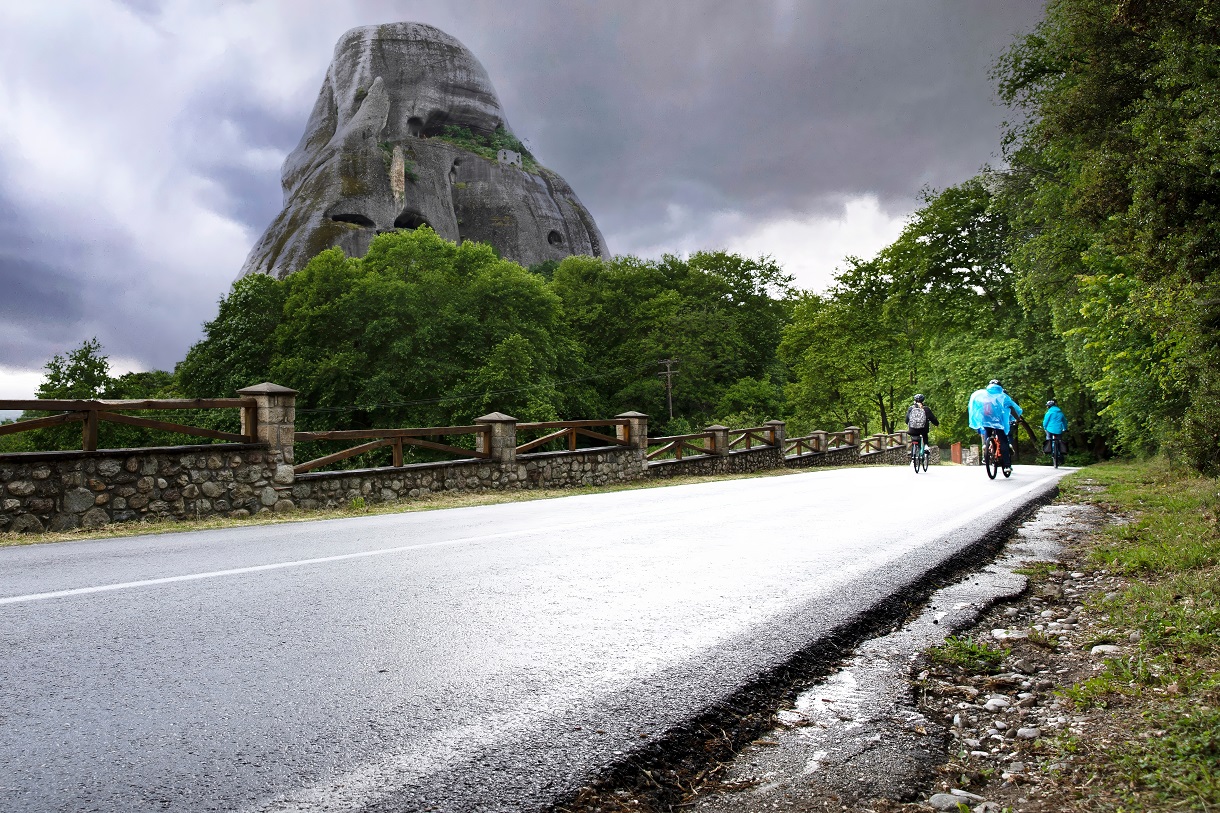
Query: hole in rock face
358,220
555,238
415,126
410,220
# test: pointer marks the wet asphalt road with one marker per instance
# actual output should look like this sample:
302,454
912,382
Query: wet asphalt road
475,659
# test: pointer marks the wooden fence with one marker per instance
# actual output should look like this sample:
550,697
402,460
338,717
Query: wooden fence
571,431
91,413
396,438
675,446
880,443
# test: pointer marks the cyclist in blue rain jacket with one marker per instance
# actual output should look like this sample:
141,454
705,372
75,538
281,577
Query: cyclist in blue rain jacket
1054,422
992,408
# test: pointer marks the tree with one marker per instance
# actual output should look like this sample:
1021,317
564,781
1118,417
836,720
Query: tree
81,373
1115,195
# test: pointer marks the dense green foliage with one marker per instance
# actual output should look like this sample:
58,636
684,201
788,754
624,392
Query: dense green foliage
935,312
1115,193
423,332
487,145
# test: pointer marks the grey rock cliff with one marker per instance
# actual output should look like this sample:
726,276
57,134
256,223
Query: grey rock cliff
373,158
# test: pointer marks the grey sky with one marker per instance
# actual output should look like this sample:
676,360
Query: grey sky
141,141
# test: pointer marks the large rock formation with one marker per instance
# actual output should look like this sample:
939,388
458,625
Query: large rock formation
404,133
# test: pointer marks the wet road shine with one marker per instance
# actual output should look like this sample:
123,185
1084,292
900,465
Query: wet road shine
488,658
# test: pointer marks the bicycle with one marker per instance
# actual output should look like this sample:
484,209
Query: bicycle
1056,450
992,455
919,454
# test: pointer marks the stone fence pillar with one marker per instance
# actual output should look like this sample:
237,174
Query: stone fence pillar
720,439
779,433
500,442
276,415
636,430
819,440
852,435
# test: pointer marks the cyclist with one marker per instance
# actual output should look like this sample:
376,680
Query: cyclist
1054,422
919,416
991,410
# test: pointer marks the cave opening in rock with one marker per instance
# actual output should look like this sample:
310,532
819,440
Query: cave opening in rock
415,127
555,238
410,220
354,219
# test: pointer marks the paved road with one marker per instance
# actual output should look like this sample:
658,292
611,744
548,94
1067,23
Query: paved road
481,658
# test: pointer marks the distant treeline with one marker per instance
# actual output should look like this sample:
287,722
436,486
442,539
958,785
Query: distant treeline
1085,271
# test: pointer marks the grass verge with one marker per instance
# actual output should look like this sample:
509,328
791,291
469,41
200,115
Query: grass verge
1165,696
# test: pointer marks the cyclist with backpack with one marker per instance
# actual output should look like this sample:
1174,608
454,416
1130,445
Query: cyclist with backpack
919,416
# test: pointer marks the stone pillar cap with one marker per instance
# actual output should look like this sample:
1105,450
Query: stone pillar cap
266,388
768,423
631,415
495,417
715,427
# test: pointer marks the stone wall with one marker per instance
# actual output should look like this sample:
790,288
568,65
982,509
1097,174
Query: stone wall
59,491
587,467
897,457
845,456
737,462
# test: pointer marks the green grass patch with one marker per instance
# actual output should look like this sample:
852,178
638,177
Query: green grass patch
1165,695
1038,571
969,654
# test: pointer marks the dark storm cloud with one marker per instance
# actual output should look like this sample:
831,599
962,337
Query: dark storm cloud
759,107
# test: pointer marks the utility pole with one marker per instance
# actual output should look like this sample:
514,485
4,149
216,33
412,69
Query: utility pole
668,375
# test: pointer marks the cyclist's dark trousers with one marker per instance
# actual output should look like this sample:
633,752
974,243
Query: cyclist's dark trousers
1005,454
916,434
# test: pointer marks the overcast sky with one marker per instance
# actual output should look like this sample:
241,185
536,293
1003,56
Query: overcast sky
141,141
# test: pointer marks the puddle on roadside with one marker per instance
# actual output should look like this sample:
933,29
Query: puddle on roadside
858,734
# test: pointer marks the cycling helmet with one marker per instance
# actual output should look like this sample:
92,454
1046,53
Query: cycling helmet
1050,403
993,381
919,399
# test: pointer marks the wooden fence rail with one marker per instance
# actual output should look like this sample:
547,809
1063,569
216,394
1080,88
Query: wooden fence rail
571,430
91,413
880,443
677,444
762,435
397,438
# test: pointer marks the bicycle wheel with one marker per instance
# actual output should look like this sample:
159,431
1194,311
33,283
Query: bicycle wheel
1056,454
924,457
991,457
915,457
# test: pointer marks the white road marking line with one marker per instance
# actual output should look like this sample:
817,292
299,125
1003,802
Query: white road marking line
238,571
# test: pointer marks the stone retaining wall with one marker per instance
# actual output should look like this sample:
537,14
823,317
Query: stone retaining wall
897,457
846,456
737,462
587,467
59,491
